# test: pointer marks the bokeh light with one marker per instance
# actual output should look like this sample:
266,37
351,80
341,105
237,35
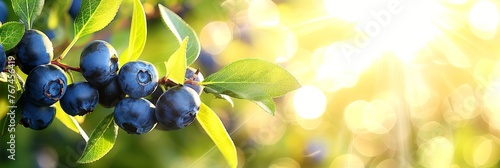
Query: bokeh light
309,102
484,18
215,37
263,13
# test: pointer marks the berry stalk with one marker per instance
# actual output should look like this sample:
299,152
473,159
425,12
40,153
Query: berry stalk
64,66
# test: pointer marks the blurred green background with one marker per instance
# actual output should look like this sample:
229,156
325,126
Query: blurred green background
389,83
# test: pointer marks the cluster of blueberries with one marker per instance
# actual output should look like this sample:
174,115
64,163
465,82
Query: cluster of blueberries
106,83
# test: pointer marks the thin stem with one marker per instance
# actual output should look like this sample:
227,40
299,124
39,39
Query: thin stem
65,52
65,67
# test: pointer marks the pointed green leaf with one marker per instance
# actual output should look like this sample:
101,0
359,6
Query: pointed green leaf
10,34
65,119
212,125
101,140
181,30
95,15
251,79
138,34
27,10
176,64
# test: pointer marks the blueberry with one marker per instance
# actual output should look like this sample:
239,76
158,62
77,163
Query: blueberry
34,49
45,85
80,98
75,8
138,78
35,117
136,116
110,94
3,12
3,58
99,62
194,76
177,107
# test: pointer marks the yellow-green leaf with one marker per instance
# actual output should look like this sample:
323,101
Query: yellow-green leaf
138,34
212,125
176,64
65,119
101,140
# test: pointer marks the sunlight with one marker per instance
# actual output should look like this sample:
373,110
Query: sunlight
263,13
215,37
411,30
484,18
309,102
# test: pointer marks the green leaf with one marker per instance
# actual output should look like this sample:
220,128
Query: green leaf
176,64
65,119
101,140
10,34
138,34
181,30
28,10
252,79
212,125
95,15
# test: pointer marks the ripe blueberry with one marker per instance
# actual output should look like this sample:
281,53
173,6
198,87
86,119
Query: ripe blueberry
3,12
75,8
177,107
34,49
80,98
193,76
3,58
99,62
138,78
136,116
36,117
110,94
45,85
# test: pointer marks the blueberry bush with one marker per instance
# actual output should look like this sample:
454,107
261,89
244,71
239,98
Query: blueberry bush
140,96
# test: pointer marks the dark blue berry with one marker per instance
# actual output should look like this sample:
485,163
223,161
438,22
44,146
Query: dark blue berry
177,107
75,8
3,58
80,98
98,62
135,116
138,78
193,76
35,117
34,49
110,94
45,85
3,12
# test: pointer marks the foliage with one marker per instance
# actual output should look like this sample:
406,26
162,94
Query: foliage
252,79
